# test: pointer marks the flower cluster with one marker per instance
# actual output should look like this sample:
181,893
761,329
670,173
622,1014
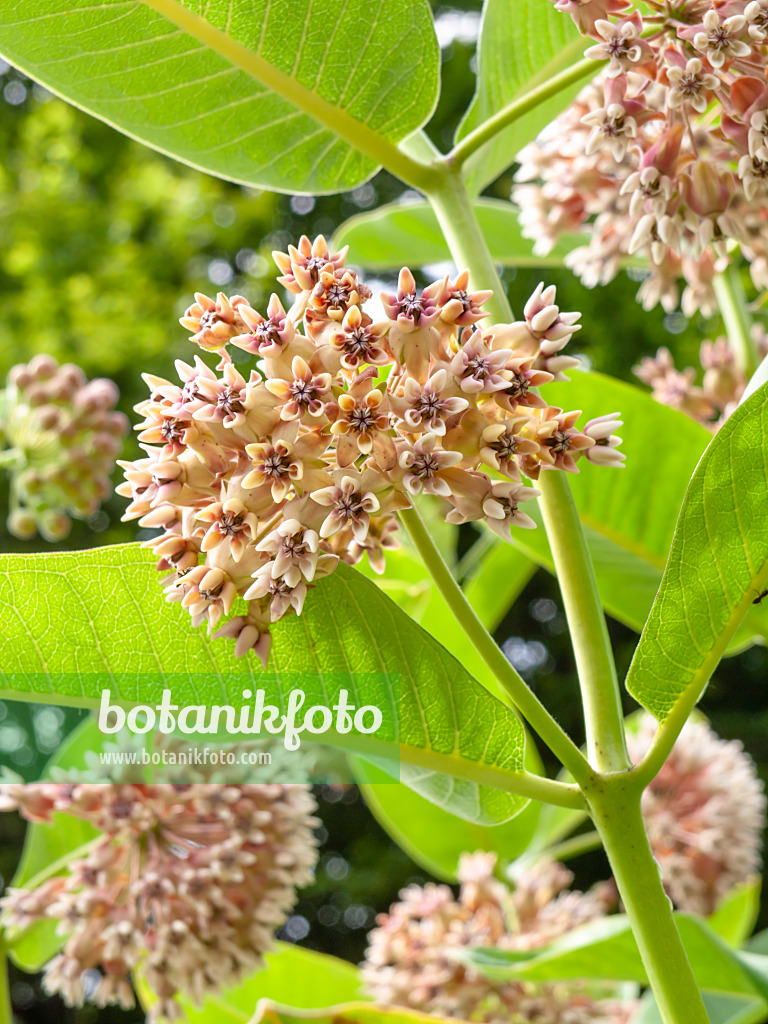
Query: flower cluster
722,384
411,958
187,882
62,437
704,814
262,482
666,154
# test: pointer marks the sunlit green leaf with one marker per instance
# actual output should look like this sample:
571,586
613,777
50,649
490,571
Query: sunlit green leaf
128,64
717,565
630,514
302,977
518,50
79,622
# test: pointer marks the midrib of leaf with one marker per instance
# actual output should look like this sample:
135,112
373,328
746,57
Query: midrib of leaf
331,116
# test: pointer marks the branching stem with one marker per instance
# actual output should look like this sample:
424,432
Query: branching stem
732,300
518,107
522,697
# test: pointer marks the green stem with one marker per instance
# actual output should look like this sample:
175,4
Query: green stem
614,799
732,300
517,108
453,209
6,1008
523,698
615,809
599,683
584,843
573,565
338,120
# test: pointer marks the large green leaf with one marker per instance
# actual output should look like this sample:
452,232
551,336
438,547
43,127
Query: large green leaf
518,50
172,87
79,622
408,233
269,1012
630,514
291,974
716,569
606,950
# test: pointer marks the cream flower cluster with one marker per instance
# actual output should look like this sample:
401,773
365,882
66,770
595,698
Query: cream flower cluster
262,480
187,882
411,958
666,155
62,436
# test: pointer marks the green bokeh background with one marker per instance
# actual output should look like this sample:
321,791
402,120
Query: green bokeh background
103,244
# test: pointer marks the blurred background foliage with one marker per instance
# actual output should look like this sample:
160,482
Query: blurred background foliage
103,244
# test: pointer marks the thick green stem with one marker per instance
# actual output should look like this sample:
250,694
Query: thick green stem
6,1008
453,208
614,799
522,697
615,808
599,683
732,300
597,673
522,105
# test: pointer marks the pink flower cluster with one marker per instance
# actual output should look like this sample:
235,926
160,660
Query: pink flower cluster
186,882
704,814
713,400
410,959
262,482
665,156
63,436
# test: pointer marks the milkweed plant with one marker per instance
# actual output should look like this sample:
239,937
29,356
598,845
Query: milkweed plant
309,452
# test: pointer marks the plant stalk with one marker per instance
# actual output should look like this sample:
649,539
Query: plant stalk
615,809
732,300
518,107
573,565
603,716
6,1007
522,697
614,799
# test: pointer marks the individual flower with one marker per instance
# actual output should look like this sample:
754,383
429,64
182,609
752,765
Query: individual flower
621,44
286,464
719,40
560,443
424,463
359,341
186,883
267,336
428,406
229,522
304,395
413,958
502,443
362,425
214,323
604,451
302,265
478,370
350,501
704,814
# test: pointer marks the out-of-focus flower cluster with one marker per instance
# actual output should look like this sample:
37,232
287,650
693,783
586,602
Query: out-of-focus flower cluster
411,957
704,814
666,154
261,483
61,436
186,882
723,382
